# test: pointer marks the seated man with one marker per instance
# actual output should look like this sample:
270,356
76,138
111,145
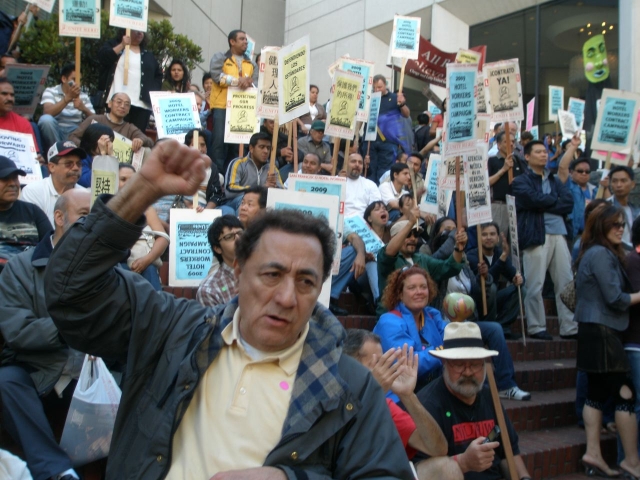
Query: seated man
220,286
506,306
251,170
352,266
65,167
392,190
297,407
254,203
361,192
119,107
65,107
386,176
37,366
284,153
22,224
9,120
462,407
397,370
310,166
314,143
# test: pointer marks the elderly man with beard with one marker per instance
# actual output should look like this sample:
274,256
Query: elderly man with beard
462,406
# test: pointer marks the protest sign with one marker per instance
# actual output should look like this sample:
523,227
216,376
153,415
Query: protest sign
251,47
345,97
477,189
79,18
19,148
531,106
513,232
104,176
444,202
460,118
481,101
190,254
131,14
503,90
556,101
123,151
372,122
28,84
363,68
535,132
293,80
46,5
483,127
405,39
568,124
268,83
241,119
468,56
324,185
372,243
175,114
615,125
576,106
447,174
429,203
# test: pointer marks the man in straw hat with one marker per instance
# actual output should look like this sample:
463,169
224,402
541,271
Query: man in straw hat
463,409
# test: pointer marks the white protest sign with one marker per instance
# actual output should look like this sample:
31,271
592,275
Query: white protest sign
483,127
615,125
293,80
341,118
444,201
19,148
241,121
556,101
477,189
503,90
175,114
405,39
372,122
429,203
28,84
481,101
131,14
79,18
46,5
190,254
460,117
363,68
567,123
104,176
268,83
513,232
447,174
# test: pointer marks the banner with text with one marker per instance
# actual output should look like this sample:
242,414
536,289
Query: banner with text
503,91
372,242
576,106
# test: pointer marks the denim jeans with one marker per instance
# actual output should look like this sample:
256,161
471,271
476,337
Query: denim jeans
493,336
634,361
52,132
340,281
382,155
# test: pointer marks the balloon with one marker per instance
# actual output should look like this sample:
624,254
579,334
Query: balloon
458,306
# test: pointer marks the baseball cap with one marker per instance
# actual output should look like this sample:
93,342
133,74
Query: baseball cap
60,149
397,227
318,125
8,168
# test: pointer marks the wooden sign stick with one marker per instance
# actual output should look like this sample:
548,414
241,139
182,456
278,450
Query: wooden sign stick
125,78
78,57
195,143
295,154
607,166
289,130
241,150
458,195
507,136
524,337
334,157
415,192
504,436
365,163
404,64
483,283
274,146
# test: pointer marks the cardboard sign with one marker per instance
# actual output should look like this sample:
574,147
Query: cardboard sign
483,127
513,232
568,124
556,101
576,106
477,189
190,254
104,176
123,150
131,14
251,47
363,68
79,18
175,114
341,119
241,120
535,132
615,125
444,202
447,174
372,122
460,117
46,5
268,83
372,242
28,84
481,101
468,56
293,81
429,203
405,39
19,148
531,106
503,90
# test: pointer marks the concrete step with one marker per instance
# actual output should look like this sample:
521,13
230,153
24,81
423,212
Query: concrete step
546,375
557,451
542,349
552,409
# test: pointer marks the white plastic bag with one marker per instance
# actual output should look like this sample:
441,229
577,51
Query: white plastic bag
87,431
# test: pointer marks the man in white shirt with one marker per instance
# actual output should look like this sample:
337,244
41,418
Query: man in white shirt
65,107
392,190
65,167
360,191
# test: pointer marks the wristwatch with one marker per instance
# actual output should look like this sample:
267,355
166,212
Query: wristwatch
461,251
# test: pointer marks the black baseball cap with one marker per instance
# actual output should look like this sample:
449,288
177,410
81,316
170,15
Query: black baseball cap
8,168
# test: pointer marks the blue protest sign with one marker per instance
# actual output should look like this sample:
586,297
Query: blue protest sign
175,113
576,106
460,127
556,101
372,122
616,121
372,242
405,40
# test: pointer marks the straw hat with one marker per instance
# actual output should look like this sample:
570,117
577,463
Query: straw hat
462,341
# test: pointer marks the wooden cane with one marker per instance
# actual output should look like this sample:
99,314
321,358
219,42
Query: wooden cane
127,48
274,145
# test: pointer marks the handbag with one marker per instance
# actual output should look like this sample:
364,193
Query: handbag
143,246
568,295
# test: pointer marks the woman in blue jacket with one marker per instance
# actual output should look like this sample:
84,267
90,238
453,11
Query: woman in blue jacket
409,319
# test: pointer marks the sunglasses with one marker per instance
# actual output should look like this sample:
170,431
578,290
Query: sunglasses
460,367
619,225
582,171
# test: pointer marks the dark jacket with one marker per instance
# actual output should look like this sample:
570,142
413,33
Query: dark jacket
632,268
532,204
31,337
215,192
497,266
336,406
151,73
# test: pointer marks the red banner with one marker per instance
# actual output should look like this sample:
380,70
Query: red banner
431,65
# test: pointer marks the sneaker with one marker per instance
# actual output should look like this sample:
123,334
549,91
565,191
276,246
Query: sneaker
543,335
514,393
337,311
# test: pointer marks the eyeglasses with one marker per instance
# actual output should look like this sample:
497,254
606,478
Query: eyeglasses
121,102
69,164
459,367
231,236
619,225
582,171
413,233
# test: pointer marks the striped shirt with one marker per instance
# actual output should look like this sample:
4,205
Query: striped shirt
70,116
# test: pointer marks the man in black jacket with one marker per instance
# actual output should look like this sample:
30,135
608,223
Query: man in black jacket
542,203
